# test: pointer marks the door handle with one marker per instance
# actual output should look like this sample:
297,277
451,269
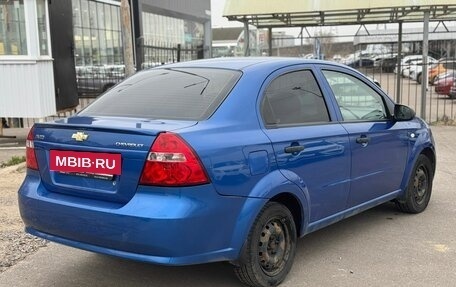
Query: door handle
294,149
363,140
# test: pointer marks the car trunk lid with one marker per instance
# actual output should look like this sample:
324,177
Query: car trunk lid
80,141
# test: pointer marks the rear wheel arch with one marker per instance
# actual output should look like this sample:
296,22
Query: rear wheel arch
288,193
429,153
269,250
294,206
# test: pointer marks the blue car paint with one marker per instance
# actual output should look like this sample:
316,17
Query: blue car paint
379,166
423,140
176,226
162,225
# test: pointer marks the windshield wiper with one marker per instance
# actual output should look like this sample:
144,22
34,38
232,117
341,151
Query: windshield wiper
207,80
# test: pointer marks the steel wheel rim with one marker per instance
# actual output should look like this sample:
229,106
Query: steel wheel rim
420,185
274,246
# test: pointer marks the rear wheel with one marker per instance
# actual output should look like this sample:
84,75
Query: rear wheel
270,248
419,188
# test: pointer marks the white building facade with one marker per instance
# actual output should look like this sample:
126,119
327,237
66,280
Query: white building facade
26,64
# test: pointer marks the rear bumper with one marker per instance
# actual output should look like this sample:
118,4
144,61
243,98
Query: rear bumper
163,226
443,90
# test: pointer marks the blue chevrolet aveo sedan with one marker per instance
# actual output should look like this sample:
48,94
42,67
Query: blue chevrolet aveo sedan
224,160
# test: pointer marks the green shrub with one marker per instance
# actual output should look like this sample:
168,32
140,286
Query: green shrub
13,161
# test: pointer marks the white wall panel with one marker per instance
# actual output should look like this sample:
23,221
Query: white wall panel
27,89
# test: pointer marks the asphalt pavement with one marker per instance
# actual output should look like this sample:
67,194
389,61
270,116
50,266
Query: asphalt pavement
380,247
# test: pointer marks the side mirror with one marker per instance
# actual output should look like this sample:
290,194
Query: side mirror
403,113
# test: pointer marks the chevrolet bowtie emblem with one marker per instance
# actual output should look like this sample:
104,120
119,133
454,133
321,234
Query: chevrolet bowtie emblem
79,136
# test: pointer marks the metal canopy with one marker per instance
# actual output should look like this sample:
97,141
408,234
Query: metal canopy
293,13
306,13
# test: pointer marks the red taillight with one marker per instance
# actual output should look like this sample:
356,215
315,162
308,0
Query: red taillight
30,151
172,162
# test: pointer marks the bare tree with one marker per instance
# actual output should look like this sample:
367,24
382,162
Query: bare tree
326,38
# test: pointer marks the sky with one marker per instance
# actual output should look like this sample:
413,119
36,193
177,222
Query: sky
216,14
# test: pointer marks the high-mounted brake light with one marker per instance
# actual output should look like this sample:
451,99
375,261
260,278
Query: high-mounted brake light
30,151
172,162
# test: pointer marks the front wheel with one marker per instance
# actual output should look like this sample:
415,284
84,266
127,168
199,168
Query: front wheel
419,188
270,248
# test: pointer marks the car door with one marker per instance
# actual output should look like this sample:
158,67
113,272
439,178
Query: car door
306,142
379,145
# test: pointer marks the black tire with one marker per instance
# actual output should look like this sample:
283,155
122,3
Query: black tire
269,251
419,187
419,79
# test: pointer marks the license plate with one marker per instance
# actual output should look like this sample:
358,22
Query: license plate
85,162
89,175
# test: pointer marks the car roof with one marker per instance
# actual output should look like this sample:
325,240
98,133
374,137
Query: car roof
243,63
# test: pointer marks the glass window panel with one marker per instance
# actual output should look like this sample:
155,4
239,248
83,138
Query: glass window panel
161,26
95,41
42,27
115,18
85,13
103,52
86,36
76,13
147,25
101,15
99,43
294,99
13,40
109,48
78,47
117,48
108,19
356,100
93,15
184,94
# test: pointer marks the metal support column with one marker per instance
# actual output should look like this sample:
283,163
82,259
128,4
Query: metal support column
399,59
127,40
207,40
246,39
270,41
424,73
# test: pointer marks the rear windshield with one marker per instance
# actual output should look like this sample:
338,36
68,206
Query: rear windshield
170,93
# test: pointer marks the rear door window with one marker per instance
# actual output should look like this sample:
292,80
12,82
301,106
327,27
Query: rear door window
294,99
172,93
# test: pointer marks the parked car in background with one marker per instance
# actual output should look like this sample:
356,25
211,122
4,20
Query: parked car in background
388,64
363,62
452,93
435,70
416,68
94,80
449,68
405,62
450,73
227,159
444,82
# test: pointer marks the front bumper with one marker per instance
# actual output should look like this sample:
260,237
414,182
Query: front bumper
159,225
